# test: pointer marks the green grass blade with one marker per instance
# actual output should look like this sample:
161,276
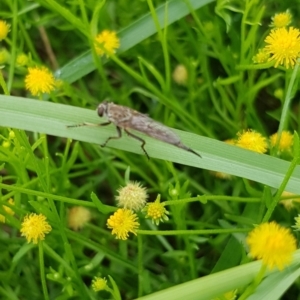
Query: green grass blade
53,118
214,285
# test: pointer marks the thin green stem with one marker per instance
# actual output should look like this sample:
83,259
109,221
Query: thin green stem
162,38
257,280
140,265
286,105
14,46
287,100
192,232
42,271
206,198
46,195
3,84
277,197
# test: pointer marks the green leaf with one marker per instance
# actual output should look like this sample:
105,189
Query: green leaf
53,118
41,208
116,292
296,144
275,285
22,251
105,209
217,284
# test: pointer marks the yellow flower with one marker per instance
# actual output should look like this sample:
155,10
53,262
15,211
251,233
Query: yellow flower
284,46
281,20
8,210
156,211
289,203
221,175
59,84
34,228
122,222
261,57
78,216
6,144
253,141
132,196
4,56
209,27
11,135
39,80
286,141
106,42
99,284
4,29
273,244
279,93
22,60
180,75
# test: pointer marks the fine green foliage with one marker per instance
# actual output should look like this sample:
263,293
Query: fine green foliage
213,71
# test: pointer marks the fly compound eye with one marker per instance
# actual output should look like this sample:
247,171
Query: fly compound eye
101,110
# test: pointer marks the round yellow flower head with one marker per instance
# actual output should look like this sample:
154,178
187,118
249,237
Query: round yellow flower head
261,57
6,144
279,93
281,19
209,26
285,143
11,135
132,196
273,244
106,42
156,211
78,216
4,29
8,210
283,46
99,284
289,203
4,56
39,80
34,228
221,175
180,75
253,141
22,60
122,222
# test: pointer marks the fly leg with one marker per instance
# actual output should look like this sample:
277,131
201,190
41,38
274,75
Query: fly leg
139,139
192,151
113,137
100,124
182,146
88,124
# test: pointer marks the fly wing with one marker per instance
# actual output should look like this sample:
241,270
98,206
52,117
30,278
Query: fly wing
148,126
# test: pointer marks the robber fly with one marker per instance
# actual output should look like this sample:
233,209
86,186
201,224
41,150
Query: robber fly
126,118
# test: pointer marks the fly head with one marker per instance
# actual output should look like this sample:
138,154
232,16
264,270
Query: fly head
102,109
